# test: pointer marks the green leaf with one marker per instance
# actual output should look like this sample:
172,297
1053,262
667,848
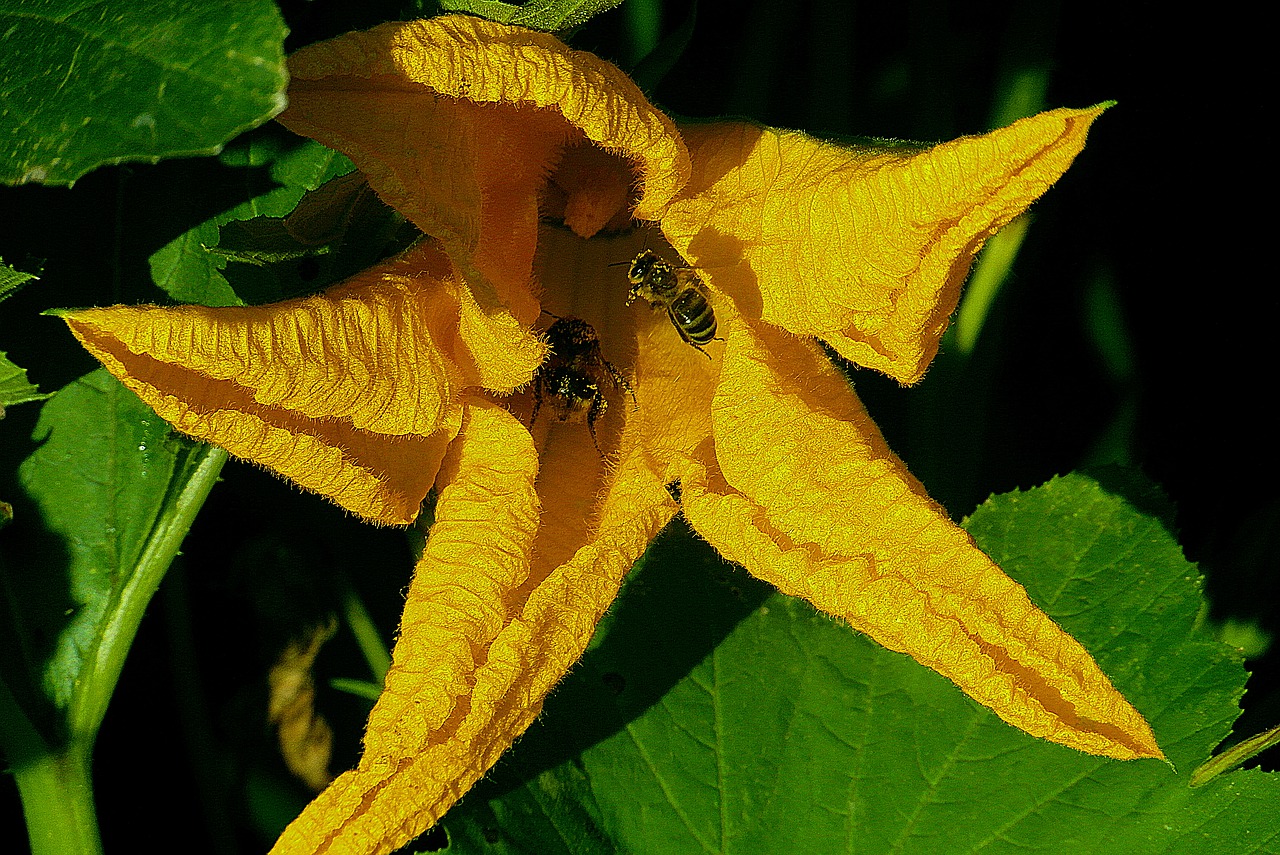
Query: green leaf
11,280
546,15
14,388
556,813
110,492
552,15
335,232
279,170
715,715
88,84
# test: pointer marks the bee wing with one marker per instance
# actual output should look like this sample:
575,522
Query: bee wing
687,277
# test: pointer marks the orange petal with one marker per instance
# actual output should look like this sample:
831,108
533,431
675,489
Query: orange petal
482,640
458,122
864,248
350,393
804,492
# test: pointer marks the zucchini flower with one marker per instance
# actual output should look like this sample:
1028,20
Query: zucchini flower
551,191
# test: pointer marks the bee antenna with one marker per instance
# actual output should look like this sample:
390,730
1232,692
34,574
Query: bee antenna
618,264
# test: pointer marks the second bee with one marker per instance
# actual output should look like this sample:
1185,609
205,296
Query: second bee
679,291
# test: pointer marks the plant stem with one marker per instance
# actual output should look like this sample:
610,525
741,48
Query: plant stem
55,781
118,631
366,633
57,802
1234,756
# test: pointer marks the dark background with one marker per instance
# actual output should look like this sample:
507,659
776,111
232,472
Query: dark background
1166,213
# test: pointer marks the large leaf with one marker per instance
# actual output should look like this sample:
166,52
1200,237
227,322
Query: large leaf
90,83
794,734
249,254
110,491
11,279
548,15
14,386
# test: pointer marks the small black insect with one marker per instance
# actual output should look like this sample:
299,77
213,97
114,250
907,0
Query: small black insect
575,375
679,291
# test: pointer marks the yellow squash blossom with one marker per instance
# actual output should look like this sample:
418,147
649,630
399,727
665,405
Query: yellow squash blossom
536,170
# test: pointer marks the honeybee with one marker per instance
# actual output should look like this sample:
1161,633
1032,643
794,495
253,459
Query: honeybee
574,375
679,291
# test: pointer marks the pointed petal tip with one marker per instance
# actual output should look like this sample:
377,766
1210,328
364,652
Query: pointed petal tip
1127,737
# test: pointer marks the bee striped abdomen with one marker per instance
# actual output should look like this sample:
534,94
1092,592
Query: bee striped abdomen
679,291
692,316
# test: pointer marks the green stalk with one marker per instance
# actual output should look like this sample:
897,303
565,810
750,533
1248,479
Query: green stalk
57,802
121,624
57,795
1235,756
55,782
366,633
643,23
994,266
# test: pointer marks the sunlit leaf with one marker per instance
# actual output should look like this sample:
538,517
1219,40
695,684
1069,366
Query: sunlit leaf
109,493
12,279
14,386
546,15
192,270
88,84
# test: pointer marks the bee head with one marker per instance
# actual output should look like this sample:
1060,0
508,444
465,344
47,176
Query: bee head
641,266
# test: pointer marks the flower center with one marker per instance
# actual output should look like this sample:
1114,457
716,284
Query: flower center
590,190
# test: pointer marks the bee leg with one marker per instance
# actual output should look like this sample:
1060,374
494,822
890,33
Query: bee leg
694,344
621,382
704,353
598,406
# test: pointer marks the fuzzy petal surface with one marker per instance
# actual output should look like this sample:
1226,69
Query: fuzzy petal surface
804,492
463,126
865,248
350,393
493,620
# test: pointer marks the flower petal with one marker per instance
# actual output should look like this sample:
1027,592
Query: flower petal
458,124
470,60
491,623
863,248
350,393
671,381
804,492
